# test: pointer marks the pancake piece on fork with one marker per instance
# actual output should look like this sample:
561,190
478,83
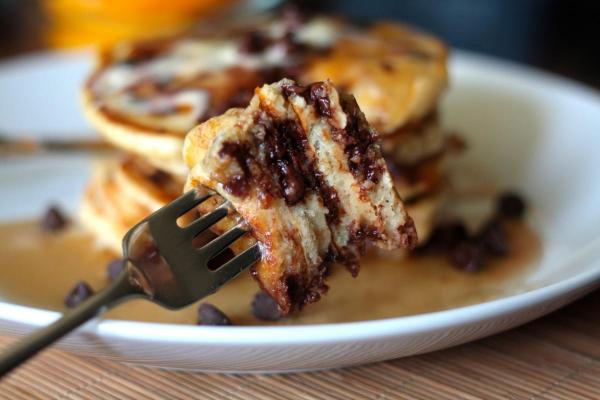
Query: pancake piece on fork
304,171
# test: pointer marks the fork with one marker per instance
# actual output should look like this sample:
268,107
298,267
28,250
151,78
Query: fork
161,264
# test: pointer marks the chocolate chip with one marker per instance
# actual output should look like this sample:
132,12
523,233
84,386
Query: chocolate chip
237,185
293,184
318,95
53,220
211,315
81,292
265,308
510,205
468,256
114,268
445,237
494,239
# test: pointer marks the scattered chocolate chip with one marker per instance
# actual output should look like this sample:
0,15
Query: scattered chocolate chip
265,308
114,268
81,292
494,239
510,205
211,315
53,220
467,256
445,237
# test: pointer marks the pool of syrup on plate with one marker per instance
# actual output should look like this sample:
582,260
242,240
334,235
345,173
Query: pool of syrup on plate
38,269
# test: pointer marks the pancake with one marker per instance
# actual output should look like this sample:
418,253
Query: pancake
120,194
304,170
145,96
395,73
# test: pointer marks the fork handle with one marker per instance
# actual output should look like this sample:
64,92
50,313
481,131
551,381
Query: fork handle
120,289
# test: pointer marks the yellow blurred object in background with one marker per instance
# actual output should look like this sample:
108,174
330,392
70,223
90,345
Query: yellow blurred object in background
75,23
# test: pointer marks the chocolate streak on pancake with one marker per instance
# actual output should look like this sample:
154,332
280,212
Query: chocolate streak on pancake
360,144
282,152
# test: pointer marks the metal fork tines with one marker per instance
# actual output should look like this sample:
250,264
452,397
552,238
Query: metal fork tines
162,264
183,266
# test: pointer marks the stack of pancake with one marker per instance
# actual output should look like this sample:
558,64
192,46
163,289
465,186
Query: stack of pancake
144,97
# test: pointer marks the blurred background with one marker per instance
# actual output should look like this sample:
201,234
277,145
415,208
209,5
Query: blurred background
556,35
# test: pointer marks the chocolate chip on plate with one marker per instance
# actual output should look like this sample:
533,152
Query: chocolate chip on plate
467,256
494,239
445,237
53,220
265,308
510,205
114,268
211,315
81,292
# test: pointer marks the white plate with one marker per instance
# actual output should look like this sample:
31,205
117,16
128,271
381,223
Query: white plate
526,130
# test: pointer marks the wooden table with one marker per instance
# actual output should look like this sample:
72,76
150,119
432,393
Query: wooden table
556,357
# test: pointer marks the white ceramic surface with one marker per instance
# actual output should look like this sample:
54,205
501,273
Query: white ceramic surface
526,130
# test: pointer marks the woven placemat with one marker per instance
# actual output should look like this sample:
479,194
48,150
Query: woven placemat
556,357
